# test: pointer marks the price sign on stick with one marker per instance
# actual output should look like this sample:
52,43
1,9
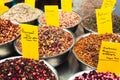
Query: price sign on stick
104,21
67,5
51,13
30,2
109,57
29,39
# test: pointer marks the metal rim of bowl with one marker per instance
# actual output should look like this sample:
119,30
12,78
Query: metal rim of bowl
80,37
78,74
80,19
41,12
73,37
14,22
51,68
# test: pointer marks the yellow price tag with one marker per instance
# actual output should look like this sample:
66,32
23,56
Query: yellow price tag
108,4
67,5
52,16
104,21
2,2
30,2
109,57
3,9
29,39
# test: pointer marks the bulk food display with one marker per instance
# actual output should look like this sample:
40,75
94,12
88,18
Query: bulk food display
89,23
66,52
22,13
94,75
87,47
53,42
9,31
67,20
18,68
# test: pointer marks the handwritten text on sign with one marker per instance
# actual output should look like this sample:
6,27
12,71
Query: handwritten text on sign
104,20
109,57
108,4
29,39
51,13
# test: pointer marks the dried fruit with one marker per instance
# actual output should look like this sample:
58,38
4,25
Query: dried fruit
8,31
67,19
52,41
93,75
25,69
87,48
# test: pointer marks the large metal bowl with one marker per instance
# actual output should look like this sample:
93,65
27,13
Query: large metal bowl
7,48
115,21
71,28
57,59
51,68
32,21
83,65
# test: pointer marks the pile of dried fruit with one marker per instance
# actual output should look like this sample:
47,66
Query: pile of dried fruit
22,13
25,69
89,22
67,19
93,75
87,48
52,41
8,31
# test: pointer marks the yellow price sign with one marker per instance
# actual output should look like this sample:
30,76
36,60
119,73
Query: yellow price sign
2,2
3,9
30,2
29,39
109,57
52,16
67,5
108,4
104,21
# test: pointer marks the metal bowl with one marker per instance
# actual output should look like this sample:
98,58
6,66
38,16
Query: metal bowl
51,68
115,21
57,59
71,28
5,48
83,65
78,74
32,21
